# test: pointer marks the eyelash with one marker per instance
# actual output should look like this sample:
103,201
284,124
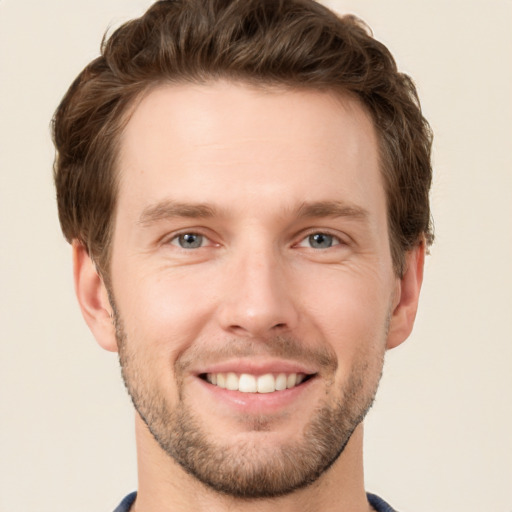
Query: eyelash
176,238
333,239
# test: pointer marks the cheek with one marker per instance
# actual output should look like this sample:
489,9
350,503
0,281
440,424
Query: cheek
343,294
350,311
164,311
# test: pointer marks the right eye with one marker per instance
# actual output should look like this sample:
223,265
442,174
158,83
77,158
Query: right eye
189,240
321,241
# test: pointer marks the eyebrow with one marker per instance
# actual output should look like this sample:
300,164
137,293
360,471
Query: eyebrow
167,209
331,209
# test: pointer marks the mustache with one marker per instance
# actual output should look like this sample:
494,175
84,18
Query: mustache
281,347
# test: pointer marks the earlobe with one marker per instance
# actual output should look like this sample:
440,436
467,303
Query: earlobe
93,298
408,293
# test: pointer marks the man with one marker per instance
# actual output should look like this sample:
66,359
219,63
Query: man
245,187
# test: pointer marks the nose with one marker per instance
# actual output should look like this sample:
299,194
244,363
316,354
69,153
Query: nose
258,297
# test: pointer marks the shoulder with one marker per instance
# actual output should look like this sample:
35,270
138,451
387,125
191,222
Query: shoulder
379,504
126,504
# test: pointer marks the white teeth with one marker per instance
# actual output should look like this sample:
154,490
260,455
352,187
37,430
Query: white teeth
221,380
247,383
281,382
266,383
232,382
291,380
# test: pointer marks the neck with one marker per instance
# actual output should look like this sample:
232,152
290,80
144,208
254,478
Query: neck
164,485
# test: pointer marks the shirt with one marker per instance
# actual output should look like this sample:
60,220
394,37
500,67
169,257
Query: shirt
377,503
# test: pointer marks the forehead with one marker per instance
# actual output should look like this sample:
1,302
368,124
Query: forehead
231,143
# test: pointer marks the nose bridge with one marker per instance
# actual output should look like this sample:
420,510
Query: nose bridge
257,299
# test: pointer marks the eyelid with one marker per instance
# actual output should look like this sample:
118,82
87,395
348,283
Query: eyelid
175,241
169,238
338,238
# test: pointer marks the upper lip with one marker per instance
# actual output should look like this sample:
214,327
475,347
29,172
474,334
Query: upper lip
257,367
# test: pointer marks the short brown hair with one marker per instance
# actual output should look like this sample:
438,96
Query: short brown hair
291,43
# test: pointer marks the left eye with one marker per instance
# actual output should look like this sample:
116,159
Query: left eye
319,241
189,240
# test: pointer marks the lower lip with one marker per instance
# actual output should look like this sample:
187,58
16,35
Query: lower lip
258,403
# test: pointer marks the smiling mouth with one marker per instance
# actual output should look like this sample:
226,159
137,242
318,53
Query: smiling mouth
248,383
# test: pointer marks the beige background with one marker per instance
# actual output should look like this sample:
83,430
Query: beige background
440,435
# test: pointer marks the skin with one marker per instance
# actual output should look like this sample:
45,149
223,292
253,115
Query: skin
274,167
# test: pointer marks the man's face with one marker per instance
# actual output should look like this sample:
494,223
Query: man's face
251,252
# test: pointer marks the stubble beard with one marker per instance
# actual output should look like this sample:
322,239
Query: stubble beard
250,469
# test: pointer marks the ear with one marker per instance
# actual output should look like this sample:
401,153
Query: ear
407,297
93,298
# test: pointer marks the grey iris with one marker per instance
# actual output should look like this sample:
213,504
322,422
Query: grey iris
320,241
190,241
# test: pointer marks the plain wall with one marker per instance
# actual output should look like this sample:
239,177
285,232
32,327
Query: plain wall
439,436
